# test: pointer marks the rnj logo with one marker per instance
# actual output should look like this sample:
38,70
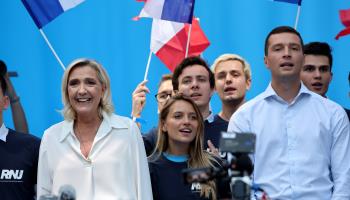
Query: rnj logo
10,174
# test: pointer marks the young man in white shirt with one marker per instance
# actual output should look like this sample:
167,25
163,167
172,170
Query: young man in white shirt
303,139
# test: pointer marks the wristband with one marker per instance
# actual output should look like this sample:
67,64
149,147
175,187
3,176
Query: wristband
138,120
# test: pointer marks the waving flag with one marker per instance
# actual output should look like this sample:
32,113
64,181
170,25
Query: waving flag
44,11
171,10
291,1
345,19
168,41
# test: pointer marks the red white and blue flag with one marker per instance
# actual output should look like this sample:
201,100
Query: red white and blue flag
291,1
169,39
171,10
44,11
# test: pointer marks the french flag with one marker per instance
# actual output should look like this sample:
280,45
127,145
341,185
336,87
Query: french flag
44,11
169,39
291,1
171,10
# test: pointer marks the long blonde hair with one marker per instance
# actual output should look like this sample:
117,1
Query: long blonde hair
197,157
106,101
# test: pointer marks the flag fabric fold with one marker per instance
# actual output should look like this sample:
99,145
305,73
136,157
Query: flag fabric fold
44,11
171,10
291,1
169,39
345,20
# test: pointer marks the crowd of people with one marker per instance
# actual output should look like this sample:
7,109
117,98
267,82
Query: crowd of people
302,137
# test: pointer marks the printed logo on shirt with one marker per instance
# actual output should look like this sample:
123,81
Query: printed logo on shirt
196,187
11,175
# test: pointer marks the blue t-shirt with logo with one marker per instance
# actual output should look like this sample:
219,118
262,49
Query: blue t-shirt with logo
18,166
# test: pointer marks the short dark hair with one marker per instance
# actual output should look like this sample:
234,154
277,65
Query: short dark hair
187,62
319,48
3,85
282,29
3,71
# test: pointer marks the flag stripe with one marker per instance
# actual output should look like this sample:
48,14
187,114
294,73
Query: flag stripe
178,10
291,1
171,48
152,8
68,4
343,33
43,11
162,32
345,17
171,10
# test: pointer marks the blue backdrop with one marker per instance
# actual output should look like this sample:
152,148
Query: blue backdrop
103,30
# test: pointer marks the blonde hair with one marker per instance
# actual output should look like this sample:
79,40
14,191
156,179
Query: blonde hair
227,57
106,101
197,156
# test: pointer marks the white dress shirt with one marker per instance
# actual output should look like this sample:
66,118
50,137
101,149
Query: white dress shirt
302,147
116,167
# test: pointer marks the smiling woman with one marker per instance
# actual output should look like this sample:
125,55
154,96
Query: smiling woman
180,146
97,152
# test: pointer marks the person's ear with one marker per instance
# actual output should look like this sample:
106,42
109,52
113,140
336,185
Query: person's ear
5,101
266,62
164,127
248,84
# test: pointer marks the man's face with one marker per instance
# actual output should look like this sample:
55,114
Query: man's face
165,91
285,56
316,73
230,81
194,83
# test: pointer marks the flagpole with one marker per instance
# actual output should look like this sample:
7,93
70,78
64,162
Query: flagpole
52,49
188,40
297,18
147,67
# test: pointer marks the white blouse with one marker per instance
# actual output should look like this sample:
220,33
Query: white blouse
116,167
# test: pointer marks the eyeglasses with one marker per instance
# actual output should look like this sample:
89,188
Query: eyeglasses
161,97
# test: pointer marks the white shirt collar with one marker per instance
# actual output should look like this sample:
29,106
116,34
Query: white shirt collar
108,122
270,92
3,132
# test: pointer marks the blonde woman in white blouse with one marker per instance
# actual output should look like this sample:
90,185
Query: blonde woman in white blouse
98,153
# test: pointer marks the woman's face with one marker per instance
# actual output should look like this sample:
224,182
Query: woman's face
181,123
84,91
